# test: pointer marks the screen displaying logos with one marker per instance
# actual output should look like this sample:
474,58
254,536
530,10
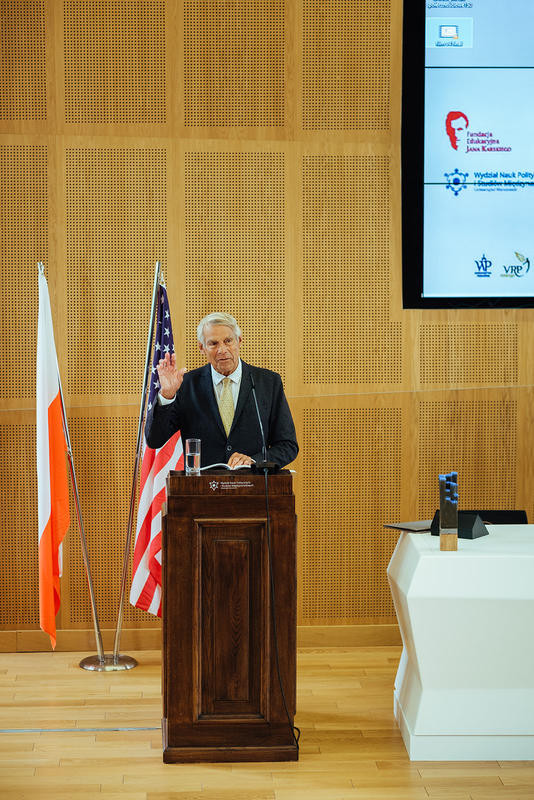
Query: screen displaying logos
477,170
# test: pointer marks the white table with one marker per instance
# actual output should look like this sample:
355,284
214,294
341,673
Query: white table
465,685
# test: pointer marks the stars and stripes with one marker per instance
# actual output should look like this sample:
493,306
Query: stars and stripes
146,574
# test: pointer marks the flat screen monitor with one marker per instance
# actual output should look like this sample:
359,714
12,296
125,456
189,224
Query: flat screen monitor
468,153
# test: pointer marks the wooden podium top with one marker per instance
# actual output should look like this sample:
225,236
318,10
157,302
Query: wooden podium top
228,482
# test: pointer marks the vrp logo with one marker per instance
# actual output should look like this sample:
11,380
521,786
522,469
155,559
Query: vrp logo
517,270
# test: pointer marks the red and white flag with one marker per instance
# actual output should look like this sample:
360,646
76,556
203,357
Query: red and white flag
52,480
146,574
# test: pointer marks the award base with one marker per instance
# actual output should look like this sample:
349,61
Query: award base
448,540
470,525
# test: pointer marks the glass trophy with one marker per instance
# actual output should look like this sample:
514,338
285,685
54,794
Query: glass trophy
448,511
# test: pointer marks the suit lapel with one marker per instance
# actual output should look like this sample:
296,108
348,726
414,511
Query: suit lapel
208,394
244,392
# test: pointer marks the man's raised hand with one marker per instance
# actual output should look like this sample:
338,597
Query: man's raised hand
170,378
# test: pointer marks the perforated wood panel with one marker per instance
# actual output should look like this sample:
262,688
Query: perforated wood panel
104,450
346,64
478,439
352,485
275,196
235,252
23,242
116,231
473,353
19,575
22,60
114,53
346,271
234,63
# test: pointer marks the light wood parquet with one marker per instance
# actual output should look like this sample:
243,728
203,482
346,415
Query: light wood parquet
351,748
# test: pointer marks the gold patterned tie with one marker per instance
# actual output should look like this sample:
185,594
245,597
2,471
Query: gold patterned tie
226,405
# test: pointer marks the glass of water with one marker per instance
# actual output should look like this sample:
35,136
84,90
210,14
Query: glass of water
192,457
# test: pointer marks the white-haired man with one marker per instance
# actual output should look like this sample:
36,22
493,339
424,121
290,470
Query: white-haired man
214,403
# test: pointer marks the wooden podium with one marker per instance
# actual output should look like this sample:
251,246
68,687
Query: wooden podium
221,693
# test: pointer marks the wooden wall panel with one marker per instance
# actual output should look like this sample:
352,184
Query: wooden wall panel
235,255
254,148
346,209
23,242
350,457
103,442
346,65
234,63
116,229
22,60
19,577
114,61
477,438
480,353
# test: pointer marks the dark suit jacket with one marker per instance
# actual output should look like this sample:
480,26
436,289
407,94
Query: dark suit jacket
196,414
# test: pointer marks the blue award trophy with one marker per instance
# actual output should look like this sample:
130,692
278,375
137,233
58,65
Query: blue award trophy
448,511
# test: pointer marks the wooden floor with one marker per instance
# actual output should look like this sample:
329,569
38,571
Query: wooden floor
350,746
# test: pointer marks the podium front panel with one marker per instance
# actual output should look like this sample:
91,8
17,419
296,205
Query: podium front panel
231,582
222,699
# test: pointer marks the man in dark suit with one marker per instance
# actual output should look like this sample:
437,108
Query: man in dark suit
215,402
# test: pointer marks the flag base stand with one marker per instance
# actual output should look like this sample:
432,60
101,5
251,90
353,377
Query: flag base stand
108,664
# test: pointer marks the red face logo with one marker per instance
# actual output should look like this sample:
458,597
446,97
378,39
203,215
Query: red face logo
456,127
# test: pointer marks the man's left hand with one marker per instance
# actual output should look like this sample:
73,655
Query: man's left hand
239,460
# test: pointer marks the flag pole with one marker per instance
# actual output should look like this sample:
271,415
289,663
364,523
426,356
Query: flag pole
98,633
122,661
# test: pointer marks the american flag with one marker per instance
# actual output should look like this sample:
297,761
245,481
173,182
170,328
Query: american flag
146,575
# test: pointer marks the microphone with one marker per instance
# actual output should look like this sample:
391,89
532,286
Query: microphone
264,465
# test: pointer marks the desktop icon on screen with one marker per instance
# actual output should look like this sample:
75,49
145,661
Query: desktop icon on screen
448,31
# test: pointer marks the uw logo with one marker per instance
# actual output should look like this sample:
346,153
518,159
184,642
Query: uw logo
483,267
517,270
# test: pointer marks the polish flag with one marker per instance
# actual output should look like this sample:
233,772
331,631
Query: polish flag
52,481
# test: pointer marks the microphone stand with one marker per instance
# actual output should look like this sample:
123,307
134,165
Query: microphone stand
265,466
268,467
